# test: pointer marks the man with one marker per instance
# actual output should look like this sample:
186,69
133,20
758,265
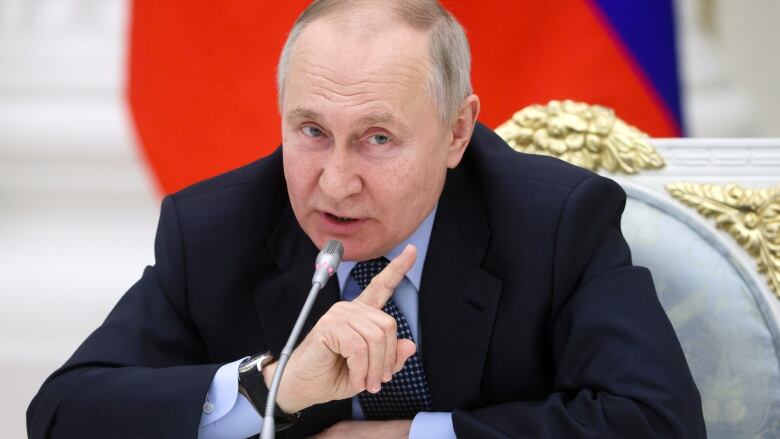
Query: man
511,287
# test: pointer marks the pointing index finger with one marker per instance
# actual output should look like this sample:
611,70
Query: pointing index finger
381,288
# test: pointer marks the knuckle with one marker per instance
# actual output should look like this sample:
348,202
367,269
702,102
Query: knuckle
386,283
359,348
389,324
320,338
327,317
375,336
326,320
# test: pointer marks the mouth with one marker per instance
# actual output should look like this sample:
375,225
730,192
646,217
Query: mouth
338,225
340,219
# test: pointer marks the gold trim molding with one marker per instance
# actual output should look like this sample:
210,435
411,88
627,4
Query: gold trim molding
590,136
750,216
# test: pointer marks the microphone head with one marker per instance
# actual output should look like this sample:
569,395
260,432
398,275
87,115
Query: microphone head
334,246
327,262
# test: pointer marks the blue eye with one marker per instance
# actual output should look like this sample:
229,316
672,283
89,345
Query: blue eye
378,139
311,131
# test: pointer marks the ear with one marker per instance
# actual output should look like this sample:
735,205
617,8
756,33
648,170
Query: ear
462,128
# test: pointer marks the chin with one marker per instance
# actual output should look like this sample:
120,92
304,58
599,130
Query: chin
356,252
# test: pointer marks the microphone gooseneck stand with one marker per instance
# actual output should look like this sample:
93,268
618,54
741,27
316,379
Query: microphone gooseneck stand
269,424
325,266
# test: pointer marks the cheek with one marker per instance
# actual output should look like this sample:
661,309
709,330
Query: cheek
408,185
300,171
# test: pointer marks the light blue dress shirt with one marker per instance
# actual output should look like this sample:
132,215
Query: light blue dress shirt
228,414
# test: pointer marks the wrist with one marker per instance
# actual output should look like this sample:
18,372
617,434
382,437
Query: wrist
253,384
285,398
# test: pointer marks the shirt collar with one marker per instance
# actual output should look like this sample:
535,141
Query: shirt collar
419,239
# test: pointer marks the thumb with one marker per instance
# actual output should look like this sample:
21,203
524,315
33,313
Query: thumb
404,350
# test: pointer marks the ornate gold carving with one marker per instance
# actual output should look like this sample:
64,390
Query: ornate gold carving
750,216
589,136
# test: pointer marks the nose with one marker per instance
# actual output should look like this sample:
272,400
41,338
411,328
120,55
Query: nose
340,177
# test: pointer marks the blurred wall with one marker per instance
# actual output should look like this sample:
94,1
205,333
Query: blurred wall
78,209
77,212
730,66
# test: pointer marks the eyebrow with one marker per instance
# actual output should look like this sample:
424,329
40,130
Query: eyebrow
369,119
376,118
304,113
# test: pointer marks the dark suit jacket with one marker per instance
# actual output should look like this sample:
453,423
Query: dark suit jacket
534,322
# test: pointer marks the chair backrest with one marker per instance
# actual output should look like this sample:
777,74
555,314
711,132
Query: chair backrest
719,296
721,315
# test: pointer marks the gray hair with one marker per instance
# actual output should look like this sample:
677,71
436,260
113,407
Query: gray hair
449,81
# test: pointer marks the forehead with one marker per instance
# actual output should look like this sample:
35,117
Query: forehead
356,61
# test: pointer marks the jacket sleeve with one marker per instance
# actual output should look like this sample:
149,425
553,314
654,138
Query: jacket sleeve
141,373
620,370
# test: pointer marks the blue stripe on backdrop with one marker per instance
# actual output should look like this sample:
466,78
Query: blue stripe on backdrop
647,29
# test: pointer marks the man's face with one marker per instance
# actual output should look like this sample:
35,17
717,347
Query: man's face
365,154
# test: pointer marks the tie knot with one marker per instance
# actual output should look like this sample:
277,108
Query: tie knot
364,271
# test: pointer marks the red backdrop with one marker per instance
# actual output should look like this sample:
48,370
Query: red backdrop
202,85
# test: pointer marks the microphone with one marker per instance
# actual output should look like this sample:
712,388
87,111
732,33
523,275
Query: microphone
325,266
327,262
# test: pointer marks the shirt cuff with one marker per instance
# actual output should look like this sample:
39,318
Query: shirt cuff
432,425
227,413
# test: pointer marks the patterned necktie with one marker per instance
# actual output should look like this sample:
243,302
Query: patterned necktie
407,393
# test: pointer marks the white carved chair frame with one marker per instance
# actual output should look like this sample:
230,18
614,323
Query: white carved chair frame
704,216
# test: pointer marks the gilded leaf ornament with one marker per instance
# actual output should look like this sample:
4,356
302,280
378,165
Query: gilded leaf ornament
590,136
751,216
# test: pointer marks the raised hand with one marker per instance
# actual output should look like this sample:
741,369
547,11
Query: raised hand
353,347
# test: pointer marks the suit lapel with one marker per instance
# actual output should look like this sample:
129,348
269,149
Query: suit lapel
458,298
279,300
